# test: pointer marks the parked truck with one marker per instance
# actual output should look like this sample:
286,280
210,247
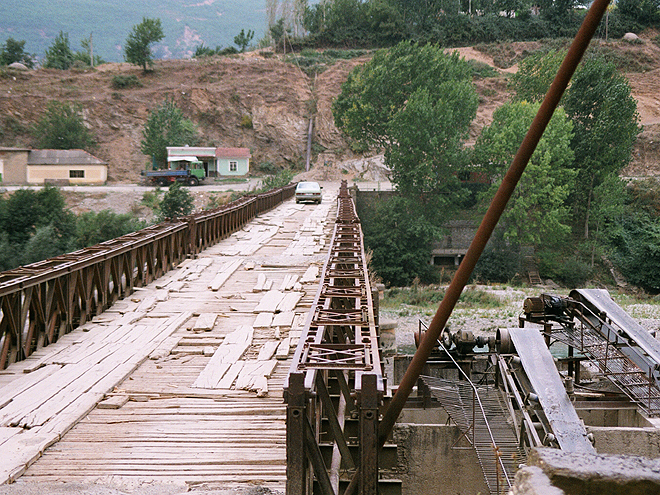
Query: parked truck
191,174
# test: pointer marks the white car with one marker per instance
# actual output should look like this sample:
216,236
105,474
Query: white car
308,191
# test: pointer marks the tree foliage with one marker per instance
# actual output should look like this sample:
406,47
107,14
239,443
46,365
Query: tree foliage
416,104
59,55
14,51
400,237
62,128
242,39
177,202
537,211
166,126
138,44
383,103
606,125
604,115
36,224
93,228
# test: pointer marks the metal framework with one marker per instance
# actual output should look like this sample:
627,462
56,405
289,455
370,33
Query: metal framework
591,322
42,301
336,377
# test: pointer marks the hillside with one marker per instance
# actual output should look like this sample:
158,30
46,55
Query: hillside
223,94
185,24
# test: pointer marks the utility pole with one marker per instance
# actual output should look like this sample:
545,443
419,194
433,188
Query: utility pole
91,50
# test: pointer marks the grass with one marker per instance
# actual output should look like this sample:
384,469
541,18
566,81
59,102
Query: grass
313,62
424,298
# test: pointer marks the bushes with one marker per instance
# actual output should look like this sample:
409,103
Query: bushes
35,225
125,82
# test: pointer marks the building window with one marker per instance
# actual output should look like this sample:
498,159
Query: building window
233,166
76,174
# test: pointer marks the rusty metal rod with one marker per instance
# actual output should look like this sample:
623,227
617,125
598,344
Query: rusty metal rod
495,210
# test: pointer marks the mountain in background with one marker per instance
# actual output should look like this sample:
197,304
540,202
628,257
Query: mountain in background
186,23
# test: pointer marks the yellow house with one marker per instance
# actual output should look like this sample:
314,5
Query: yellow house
25,166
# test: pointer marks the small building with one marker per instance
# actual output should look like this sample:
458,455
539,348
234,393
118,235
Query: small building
218,162
233,161
26,166
13,165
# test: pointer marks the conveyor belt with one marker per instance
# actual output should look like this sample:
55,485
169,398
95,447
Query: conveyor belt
542,374
637,338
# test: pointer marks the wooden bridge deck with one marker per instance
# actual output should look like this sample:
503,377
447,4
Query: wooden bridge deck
132,398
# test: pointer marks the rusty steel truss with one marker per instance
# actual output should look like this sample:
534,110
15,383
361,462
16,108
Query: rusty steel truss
336,377
42,301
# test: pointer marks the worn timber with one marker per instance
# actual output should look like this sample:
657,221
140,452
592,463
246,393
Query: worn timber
42,302
182,381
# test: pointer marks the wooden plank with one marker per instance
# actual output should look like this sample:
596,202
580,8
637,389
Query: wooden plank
283,319
267,350
283,349
289,301
205,322
253,370
310,275
261,281
6,432
230,351
211,375
263,320
227,270
231,375
113,402
269,302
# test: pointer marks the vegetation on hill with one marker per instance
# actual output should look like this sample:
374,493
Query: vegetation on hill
374,23
568,198
35,225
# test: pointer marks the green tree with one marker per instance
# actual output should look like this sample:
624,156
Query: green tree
604,115
606,126
166,126
62,128
14,51
400,237
177,202
384,102
84,56
642,12
59,55
26,211
537,211
242,39
93,228
138,44
535,75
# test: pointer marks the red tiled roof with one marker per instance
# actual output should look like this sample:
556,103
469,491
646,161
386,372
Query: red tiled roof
233,153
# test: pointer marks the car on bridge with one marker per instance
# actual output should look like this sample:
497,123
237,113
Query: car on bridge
308,191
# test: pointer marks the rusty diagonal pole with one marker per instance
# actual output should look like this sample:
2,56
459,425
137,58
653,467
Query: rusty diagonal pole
495,210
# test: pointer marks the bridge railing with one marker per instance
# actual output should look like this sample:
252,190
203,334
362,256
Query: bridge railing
337,355
42,301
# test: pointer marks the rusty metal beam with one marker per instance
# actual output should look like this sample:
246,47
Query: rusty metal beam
497,206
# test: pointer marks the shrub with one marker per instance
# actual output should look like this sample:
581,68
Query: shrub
268,168
124,82
177,202
246,122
